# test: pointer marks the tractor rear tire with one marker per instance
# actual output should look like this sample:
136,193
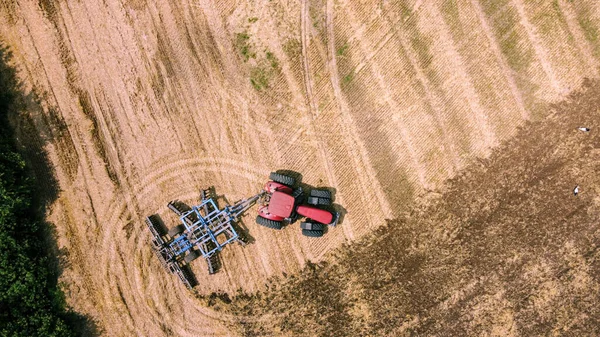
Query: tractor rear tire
176,230
324,202
282,179
321,194
315,226
268,222
317,201
194,254
312,233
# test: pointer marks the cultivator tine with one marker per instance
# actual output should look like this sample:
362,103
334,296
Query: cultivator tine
206,194
213,264
206,230
185,275
161,258
171,205
155,226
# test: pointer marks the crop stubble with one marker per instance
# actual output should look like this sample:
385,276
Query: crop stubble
380,101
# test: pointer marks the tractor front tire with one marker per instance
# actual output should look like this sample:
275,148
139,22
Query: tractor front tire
176,230
312,233
194,254
268,222
315,226
316,201
282,179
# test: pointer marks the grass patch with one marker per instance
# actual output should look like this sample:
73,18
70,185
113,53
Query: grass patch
244,47
589,30
261,75
259,78
342,50
348,78
420,45
293,48
452,15
273,61
252,19
517,56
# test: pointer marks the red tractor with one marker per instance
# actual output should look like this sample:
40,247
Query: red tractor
282,203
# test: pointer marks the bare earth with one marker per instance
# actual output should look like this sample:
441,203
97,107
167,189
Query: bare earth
149,101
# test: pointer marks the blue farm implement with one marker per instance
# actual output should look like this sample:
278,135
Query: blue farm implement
204,231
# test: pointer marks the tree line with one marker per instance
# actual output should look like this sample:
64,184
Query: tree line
31,303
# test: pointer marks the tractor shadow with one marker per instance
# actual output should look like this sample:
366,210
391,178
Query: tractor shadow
306,188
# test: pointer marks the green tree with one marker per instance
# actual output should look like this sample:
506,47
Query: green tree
31,304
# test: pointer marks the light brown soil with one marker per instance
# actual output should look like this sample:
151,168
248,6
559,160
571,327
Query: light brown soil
151,101
505,249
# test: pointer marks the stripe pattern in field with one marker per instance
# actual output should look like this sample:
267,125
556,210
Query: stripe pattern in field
153,101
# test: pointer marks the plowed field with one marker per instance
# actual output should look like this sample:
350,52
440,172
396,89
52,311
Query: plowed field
143,102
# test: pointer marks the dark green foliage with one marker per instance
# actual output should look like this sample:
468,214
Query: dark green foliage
30,302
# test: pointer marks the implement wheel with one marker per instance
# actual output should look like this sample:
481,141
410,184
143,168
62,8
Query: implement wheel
268,222
312,233
282,179
194,254
176,230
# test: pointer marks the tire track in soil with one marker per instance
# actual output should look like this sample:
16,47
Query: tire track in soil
576,32
481,118
542,56
109,241
433,99
304,23
417,168
165,165
506,70
359,154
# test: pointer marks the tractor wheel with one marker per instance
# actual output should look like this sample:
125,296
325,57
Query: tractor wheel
321,194
282,179
324,202
268,222
312,233
176,230
315,226
194,254
316,201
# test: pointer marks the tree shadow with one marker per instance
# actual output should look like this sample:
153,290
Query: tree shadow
24,121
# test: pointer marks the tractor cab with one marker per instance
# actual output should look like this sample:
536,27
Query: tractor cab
281,204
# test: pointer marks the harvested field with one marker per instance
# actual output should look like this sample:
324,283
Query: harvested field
505,249
145,102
